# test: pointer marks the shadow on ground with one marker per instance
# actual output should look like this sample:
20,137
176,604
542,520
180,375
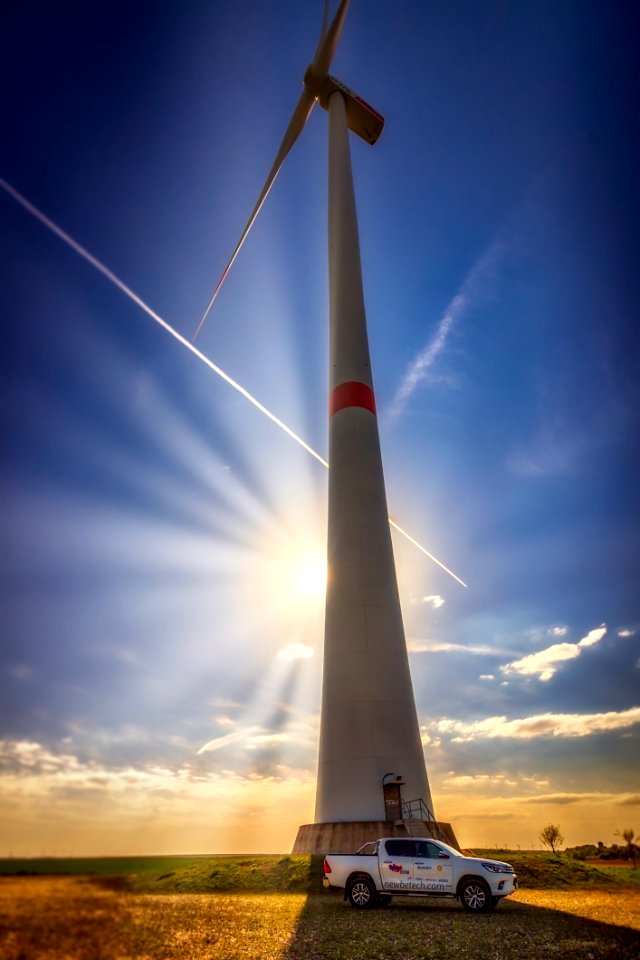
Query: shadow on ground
430,929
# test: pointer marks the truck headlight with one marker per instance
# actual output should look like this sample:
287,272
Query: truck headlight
498,867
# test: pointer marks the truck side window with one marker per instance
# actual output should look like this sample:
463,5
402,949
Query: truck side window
401,848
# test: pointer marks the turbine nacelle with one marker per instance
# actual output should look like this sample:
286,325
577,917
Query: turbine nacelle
362,119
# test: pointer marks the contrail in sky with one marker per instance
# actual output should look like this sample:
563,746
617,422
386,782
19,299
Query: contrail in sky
426,552
79,249
419,367
84,253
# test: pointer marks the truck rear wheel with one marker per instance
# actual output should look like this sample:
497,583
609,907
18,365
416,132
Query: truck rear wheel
475,895
361,893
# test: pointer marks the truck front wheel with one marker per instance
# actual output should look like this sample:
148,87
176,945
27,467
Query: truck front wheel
475,896
361,893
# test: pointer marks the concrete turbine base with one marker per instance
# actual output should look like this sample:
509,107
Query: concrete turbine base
346,836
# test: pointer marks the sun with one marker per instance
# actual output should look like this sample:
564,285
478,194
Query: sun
307,576
290,581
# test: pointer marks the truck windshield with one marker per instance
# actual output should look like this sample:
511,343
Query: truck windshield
451,850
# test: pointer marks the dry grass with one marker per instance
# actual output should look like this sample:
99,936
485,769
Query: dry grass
621,908
71,918
60,918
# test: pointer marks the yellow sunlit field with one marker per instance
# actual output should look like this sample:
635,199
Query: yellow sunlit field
82,918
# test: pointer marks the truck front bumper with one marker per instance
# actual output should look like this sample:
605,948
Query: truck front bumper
506,886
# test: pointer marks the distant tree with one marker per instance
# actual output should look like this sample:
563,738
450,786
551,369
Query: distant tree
631,851
551,837
586,851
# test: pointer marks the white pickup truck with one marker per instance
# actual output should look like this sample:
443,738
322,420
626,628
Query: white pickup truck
413,867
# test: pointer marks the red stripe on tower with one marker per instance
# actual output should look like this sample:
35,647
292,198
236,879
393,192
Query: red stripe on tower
353,393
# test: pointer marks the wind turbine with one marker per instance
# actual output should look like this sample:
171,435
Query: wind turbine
318,87
372,779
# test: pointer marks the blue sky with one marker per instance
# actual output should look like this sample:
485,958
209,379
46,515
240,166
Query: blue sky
161,603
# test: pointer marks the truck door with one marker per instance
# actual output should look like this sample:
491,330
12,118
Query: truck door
397,864
432,869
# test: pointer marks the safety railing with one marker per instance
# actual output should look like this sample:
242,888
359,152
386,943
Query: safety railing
416,810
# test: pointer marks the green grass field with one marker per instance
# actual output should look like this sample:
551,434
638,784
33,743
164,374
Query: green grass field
194,874
90,866
289,874
558,871
628,876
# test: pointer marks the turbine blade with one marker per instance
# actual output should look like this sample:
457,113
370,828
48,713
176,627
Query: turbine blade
298,119
323,28
329,43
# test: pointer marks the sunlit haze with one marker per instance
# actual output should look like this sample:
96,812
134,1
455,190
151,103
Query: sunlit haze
163,534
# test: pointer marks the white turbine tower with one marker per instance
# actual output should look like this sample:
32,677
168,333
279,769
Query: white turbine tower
372,777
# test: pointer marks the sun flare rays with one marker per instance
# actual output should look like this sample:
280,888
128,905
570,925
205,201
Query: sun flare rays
124,288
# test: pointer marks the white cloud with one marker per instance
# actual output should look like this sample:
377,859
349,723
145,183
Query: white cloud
478,780
486,676
301,732
27,760
626,633
594,636
424,646
415,645
266,739
296,651
225,703
563,799
219,742
26,755
427,740
61,805
539,725
558,631
225,721
435,601
543,664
